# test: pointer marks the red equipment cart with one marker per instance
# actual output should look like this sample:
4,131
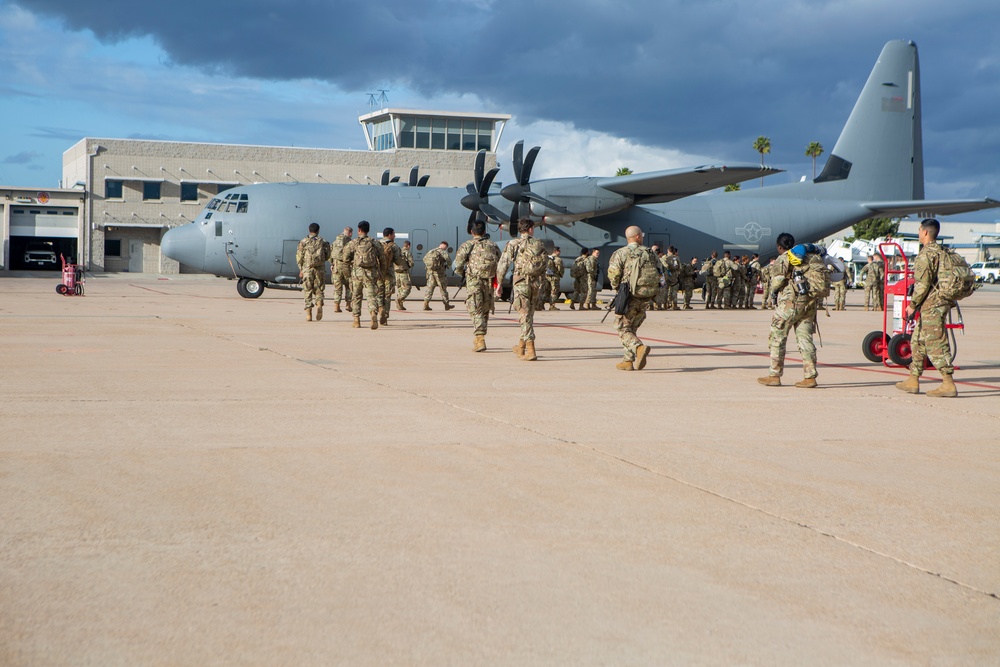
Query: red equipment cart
892,347
72,279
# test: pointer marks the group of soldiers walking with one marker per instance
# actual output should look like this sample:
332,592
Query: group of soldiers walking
365,268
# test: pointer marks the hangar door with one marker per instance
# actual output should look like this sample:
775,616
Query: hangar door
42,227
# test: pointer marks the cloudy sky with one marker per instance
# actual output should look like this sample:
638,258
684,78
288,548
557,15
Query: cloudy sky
599,84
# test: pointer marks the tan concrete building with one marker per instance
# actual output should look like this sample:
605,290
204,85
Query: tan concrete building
37,225
135,190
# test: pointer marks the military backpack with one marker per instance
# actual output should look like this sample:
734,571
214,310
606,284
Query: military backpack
812,278
482,259
531,258
434,260
955,279
642,272
577,270
365,253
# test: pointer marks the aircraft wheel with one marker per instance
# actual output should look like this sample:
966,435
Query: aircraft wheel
991,279
61,289
250,288
899,349
873,346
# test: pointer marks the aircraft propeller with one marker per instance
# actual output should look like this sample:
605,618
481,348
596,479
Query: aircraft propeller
477,199
520,192
415,180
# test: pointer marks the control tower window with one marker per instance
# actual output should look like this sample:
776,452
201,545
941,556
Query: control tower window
423,133
407,132
437,133
470,135
485,133
454,135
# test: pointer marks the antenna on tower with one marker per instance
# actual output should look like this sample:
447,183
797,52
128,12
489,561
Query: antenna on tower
378,99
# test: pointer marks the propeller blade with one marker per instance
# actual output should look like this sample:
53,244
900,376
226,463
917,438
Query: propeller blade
529,162
423,181
414,174
494,212
468,226
480,165
471,189
385,177
394,179
518,160
484,187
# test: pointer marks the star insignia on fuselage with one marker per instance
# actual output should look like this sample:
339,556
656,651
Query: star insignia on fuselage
753,232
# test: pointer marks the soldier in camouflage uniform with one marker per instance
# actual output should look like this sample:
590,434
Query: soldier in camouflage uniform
554,275
840,289
723,272
672,276
476,260
311,256
765,282
404,284
739,282
593,266
753,278
711,285
579,280
689,273
635,352
659,302
341,270
394,262
366,279
792,311
929,339
526,253
880,283
873,283
436,262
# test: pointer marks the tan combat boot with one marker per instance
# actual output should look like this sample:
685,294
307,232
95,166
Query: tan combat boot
641,353
770,381
357,322
808,383
572,305
552,306
479,344
624,365
946,390
399,304
336,307
319,312
383,316
374,321
519,349
529,351
910,385
427,306
448,306
309,314
348,307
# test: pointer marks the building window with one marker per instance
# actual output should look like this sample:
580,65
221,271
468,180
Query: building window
437,134
112,248
112,189
406,132
470,134
454,135
189,192
485,134
150,190
423,133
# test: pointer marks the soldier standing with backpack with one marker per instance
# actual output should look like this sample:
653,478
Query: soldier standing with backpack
579,275
367,262
341,270
640,268
476,260
795,309
527,254
403,282
436,263
557,269
311,256
394,262
940,278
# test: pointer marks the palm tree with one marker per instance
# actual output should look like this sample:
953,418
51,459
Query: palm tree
762,145
623,171
814,150
732,187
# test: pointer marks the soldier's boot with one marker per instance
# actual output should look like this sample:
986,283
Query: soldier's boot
383,316
529,351
519,348
770,381
336,307
807,383
427,306
357,322
374,320
479,344
910,385
641,353
866,307
399,304
624,365
347,305
448,306
309,314
552,306
319,312
687,306
572,305
946,390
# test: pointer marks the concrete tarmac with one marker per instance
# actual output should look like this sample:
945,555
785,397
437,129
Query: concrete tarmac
192,478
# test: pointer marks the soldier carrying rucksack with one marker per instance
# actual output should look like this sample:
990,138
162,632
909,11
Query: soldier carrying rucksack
941,278
527,256
435,265
638,270
476,261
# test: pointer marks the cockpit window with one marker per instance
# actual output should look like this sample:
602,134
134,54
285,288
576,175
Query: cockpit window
242,207
214,204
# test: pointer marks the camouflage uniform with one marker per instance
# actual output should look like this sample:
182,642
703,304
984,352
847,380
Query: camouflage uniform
366,280
436,278
873,284
478,282
880,284
840,293
711,286
628,324
580,283
404,284
311,256
340,270
558,269
723,273
739,284
688,273
592,266
765,282
672,273
791,312
753,277
524,288
394,262
929,339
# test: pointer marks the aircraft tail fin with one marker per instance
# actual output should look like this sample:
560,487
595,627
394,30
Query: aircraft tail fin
879,155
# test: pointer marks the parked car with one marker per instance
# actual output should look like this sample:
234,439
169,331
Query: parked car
987,271
39,253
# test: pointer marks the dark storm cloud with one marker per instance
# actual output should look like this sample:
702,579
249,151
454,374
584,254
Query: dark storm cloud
706,77
24,157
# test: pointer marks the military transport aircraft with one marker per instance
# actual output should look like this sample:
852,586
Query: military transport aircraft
875,169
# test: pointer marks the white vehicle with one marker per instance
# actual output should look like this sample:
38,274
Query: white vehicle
39,254
987,271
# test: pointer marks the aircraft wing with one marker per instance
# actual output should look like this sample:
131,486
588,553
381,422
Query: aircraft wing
898,209
654,187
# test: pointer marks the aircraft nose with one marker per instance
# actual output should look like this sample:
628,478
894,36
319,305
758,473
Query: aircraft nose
186,244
